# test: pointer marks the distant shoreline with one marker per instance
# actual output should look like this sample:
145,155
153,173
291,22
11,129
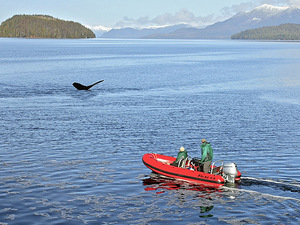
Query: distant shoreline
139,39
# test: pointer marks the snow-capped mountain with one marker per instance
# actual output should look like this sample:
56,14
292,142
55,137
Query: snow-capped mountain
265,15
268,9
99,30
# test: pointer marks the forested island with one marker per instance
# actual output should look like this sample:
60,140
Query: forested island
43,26
281,32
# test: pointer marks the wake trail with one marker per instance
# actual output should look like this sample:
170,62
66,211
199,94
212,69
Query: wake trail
272,181
262,194
267,182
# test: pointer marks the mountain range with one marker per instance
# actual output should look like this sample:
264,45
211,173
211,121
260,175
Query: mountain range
262,16
139,33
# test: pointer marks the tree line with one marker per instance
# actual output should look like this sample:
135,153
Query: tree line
281,32
43,26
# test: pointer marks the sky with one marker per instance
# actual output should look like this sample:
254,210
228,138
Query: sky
135,13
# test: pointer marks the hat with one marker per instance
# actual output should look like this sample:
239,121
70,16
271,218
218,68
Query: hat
203,140
182,149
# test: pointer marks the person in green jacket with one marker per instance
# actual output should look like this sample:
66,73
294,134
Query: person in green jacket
206,155
182,154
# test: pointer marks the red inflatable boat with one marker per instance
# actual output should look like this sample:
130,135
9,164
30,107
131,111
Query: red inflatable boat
188,170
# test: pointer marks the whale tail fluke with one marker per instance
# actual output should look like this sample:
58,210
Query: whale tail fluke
83,87
94,84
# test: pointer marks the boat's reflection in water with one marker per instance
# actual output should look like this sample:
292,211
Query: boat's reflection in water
157,181
160,184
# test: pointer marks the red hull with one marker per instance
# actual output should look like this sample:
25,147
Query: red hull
159,164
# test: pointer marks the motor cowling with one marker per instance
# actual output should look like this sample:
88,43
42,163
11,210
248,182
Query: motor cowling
230,172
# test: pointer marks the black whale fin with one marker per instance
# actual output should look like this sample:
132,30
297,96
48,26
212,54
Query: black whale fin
83,87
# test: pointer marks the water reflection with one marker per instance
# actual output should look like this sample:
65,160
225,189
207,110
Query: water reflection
204,210
206,193
156,182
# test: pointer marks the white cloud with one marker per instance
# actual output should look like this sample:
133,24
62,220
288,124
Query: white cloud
234,9
292,2
182,16
129,22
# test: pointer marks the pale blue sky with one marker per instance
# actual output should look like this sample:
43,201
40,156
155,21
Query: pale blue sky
112,13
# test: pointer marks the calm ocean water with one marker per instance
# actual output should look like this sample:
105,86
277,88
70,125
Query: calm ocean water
75,157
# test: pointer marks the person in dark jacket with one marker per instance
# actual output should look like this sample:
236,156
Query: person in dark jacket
182,154
206,155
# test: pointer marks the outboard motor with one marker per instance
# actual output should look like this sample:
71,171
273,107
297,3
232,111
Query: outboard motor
230,172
